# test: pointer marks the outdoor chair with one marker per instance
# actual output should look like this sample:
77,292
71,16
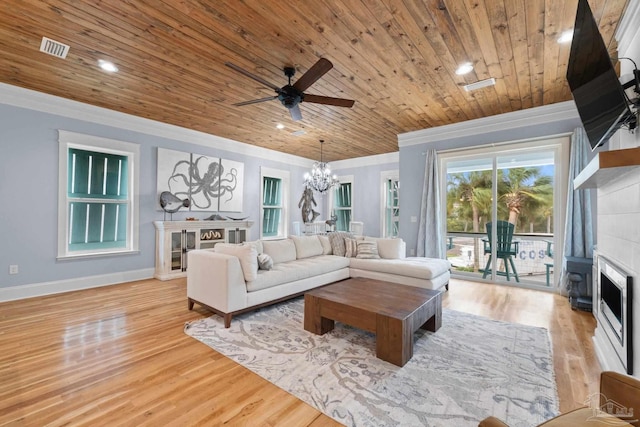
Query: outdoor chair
549,265
506,248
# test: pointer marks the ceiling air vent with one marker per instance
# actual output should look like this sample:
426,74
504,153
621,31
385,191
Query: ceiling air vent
54,48
480,84
298,133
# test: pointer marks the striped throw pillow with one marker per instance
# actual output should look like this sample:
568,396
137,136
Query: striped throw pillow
351,248
336,239
367,250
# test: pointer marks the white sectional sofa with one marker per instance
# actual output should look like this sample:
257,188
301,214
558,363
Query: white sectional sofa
231,279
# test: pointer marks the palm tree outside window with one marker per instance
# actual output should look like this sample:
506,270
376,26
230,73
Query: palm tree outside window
520,183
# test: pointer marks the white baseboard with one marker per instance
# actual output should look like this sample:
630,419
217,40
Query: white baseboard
60,286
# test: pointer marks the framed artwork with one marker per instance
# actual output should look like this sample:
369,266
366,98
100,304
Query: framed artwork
210,183
231,185
171,162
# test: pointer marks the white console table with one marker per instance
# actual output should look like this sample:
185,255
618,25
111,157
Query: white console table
174,239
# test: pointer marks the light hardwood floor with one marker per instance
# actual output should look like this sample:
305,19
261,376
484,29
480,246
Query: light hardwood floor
118,356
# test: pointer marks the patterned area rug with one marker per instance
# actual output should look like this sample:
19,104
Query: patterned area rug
472,367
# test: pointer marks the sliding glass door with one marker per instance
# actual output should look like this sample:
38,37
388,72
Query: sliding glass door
502,205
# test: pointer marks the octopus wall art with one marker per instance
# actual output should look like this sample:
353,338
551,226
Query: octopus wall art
211,183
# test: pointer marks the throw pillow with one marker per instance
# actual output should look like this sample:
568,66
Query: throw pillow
337,242
265,262
326,245
280,250
307,246
351,247
390,248
257,244
367,250
246,254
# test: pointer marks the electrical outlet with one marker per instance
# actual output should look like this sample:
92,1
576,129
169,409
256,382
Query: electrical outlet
13,269
414,219
412,252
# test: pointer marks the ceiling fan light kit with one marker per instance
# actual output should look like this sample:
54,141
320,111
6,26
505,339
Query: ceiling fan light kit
291,95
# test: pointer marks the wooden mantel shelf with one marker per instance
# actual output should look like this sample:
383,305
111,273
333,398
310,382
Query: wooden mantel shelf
606,167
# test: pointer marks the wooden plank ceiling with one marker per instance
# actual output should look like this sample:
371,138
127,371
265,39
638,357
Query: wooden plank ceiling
395,58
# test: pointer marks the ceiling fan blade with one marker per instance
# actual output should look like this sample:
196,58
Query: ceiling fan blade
327,100
313,74
295,113
252,76
255,101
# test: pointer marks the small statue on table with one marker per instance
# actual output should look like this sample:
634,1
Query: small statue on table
332,222
306,203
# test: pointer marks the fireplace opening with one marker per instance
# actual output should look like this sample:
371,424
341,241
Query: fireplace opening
614,309
611,296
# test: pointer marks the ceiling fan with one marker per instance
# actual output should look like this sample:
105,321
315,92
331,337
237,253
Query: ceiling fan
292,95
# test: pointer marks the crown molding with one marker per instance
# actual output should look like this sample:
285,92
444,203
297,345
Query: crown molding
500,122
628,26
378,159
50,104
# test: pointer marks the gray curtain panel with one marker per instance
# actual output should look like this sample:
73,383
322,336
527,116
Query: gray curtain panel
578,231
430,241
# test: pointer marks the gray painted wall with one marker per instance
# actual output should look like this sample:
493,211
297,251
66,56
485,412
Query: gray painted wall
367,195
29,174
28,188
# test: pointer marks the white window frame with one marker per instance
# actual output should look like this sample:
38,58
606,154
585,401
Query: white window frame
384,177
346,179
285,177
559,144
67,140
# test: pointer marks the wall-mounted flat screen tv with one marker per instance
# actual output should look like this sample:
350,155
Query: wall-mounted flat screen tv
594,84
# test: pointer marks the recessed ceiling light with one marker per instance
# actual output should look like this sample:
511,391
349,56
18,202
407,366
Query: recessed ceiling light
280,126
465,68
107,66
566,37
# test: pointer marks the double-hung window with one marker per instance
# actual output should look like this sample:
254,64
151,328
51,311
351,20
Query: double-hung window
275,215
342,202
98,203
390,203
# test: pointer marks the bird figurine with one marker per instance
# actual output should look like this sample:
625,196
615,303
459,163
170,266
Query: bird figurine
332,222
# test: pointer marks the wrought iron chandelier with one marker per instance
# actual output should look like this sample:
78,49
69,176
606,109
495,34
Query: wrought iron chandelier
320,178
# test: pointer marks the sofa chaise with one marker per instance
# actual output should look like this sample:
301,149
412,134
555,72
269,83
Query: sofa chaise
232,279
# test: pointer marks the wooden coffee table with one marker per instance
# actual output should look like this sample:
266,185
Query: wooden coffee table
391,310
